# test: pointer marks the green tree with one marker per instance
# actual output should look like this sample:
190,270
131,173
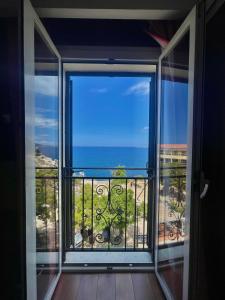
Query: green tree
173,176
119,172
46,194
109,209
106,206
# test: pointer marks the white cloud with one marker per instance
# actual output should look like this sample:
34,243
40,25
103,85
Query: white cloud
43,122
42,139
46,85
41,136
45,110
140,88
100,90
46,142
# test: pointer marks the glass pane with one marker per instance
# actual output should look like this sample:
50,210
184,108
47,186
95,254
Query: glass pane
173,166
110,123
46,160
110,132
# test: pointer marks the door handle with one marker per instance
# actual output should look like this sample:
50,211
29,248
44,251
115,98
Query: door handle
205,190
204,186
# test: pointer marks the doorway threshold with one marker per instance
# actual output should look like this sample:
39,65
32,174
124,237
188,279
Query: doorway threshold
105,258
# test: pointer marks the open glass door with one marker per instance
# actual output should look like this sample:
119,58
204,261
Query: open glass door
174,156
42,68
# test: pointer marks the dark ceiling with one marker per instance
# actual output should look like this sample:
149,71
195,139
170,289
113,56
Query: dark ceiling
99,32
184,5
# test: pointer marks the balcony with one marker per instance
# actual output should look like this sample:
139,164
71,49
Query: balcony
109,214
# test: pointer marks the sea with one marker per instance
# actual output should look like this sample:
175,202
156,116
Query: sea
104,157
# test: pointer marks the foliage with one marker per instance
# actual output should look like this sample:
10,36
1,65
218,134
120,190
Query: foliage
176,209
109,212
46,194
103,206
173,168
174,187
112,207
173,177
119,172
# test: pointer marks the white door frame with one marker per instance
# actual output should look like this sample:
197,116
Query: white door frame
32,22
189,24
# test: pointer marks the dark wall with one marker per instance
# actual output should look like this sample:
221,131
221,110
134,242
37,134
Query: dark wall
117,4
213,206
99,32
12,218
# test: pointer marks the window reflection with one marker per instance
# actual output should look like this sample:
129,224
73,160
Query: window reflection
46,163
173,166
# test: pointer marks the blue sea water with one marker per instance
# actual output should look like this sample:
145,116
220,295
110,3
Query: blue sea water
104,157
110,157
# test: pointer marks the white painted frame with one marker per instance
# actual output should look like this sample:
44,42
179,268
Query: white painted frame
104,67
189,24
101,13
32,22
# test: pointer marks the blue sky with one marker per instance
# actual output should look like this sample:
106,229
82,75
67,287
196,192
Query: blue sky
174,107
46,110
110,111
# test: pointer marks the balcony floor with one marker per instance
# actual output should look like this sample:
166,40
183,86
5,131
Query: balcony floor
110,286
103,257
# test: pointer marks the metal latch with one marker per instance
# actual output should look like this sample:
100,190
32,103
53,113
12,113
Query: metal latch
205,190
204,186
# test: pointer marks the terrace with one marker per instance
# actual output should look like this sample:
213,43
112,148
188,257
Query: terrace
110,215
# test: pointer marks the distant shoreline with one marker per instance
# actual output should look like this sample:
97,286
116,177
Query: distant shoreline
103,157
54,146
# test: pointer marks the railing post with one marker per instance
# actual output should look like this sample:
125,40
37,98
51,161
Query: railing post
125,241
68,188
135,211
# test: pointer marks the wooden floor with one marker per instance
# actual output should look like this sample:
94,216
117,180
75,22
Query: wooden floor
108,286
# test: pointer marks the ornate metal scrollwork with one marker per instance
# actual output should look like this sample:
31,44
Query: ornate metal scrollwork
176,205
114,213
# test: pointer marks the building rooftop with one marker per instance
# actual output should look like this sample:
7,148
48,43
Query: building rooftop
174,146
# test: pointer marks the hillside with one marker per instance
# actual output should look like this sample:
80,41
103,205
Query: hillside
42,160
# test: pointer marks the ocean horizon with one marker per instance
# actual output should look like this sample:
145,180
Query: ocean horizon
104,157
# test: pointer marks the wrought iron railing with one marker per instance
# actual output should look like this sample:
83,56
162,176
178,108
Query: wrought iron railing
47,210
172,204
108,213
